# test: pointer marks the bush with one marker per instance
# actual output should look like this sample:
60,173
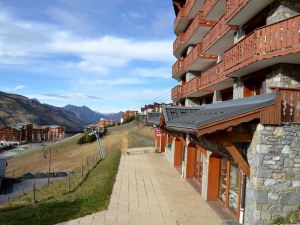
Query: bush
86,138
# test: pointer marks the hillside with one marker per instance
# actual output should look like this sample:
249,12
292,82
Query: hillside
89,116
17,108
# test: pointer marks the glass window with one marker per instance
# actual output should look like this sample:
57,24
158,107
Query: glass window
222,181
234,187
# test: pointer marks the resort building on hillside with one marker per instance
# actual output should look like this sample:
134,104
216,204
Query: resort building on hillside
29,133
235,132
104,123
127,115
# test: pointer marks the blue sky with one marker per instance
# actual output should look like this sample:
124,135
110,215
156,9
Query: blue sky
107,55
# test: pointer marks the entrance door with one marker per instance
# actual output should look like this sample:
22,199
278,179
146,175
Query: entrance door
198,166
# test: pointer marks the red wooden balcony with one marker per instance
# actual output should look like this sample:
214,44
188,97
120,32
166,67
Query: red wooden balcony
215,78
286,108
186,14
214,9
178,69
238,12
176,92
266,46
212,79
196,60
193,35
190,88
220,38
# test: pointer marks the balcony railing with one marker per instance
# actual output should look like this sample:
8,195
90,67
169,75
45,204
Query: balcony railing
267,42
181,15
195,24
178,66
216,32
233,6
176,92
208,5
191,86
289,104
213,75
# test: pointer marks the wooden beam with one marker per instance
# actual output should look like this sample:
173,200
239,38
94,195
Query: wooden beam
237,157
232,137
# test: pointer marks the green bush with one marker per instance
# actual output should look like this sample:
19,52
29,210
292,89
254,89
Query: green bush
292,218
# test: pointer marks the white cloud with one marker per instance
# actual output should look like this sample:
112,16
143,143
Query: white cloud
19,88
111,82
23,42
162,72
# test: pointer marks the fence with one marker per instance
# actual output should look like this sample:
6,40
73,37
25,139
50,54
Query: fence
38,188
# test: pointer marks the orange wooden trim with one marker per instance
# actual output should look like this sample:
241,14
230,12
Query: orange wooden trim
232,137
227,183
237,157
239,194
231,121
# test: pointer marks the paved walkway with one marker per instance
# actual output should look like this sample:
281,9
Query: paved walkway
149,191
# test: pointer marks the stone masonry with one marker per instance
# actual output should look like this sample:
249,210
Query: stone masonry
273,189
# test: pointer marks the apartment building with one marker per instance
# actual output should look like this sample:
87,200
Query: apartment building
104,123
235,133
29,132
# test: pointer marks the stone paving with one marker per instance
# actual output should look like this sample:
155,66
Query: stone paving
149,191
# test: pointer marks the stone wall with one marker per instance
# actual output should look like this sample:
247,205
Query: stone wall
283,75
204,185
238,89
169,151
274,185
283,9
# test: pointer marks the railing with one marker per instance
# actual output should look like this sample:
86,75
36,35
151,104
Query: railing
290,105
266,42
178,66
191,86
176,92
216,32
213,75
193,56
179,40
208,5
197,21
233,6
179,17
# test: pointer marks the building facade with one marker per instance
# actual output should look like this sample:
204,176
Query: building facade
235,133
29,133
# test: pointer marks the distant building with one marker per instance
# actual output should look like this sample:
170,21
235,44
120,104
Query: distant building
29,133
104,123
128,114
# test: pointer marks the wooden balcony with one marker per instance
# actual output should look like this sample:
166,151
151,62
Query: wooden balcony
193,35
176,92
286,108
212,79
186,14
214,9
196,60
215,78
266,46
220,38
178,69
238,12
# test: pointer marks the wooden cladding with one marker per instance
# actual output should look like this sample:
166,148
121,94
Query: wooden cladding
218,30
277,39
233,6
209,77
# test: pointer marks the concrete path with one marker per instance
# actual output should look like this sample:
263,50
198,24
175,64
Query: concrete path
149,191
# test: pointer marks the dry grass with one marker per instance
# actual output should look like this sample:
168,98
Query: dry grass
66,155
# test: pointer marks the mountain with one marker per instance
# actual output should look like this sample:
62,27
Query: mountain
16,108
89,116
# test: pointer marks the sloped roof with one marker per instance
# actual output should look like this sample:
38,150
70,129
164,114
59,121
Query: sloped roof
153,118
196,117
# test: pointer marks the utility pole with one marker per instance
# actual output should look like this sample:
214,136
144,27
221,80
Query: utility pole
49,166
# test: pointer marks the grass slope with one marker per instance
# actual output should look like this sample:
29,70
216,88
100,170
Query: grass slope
94,193
92,196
